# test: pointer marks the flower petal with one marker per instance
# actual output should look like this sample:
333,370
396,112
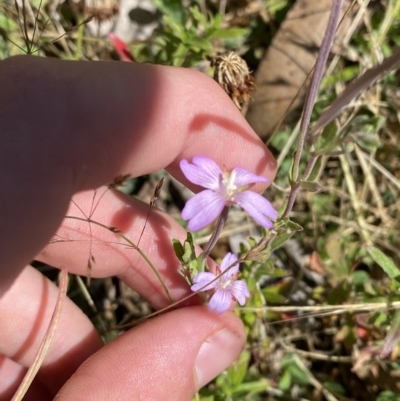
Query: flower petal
259,208
202,209
239,290
220,301
244,177
202,279
204,172
227,261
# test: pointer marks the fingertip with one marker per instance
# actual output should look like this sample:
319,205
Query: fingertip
216,354
173,354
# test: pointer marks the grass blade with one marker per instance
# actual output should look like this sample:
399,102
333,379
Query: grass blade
45,345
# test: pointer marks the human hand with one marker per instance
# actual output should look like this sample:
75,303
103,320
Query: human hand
69,127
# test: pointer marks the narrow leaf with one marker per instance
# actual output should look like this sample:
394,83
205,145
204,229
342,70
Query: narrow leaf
384,262
316,170
327,140
280,240
178,248
292,177
293,226
355,88
227,33
310,186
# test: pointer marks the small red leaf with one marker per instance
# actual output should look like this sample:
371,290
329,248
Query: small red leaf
121,48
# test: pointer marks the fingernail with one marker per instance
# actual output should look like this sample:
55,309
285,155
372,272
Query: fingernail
216,354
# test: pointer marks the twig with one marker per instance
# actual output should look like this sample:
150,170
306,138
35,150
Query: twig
340,309
370,181
328,395
382,170
354,199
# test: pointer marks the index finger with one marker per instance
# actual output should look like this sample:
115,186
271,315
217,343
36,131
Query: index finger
69,126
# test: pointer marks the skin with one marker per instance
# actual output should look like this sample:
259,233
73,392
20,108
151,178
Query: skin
69,127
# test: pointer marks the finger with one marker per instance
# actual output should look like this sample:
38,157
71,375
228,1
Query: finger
100,119
86,123
113,256
25,313
11,374
170,356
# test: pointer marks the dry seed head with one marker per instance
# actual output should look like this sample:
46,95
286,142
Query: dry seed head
119,180
232,73
101,10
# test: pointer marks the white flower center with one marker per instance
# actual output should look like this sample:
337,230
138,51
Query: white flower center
224,283
228,188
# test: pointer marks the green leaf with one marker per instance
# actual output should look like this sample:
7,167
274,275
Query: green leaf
310,186
198,16
237,371
379,319
271,294
291,225
292,178
363,130
383,261
367,124
7,23
279,273
388,396
345,75
39,3
266,268
340,293
179,30
286,381
368,141
187,256
334,387
173,9
195,41
298,375
279,240
253,387
327,140
360,277
316,170
180,55
227,33
178,248
216,21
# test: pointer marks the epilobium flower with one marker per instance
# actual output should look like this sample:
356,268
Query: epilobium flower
227,286
223,189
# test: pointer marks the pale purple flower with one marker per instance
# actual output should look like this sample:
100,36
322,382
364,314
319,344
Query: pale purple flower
227,286
223,189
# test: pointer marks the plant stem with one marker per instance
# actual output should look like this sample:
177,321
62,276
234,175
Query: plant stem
215,235
312,92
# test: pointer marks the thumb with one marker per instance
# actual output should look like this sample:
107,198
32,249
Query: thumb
169,357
